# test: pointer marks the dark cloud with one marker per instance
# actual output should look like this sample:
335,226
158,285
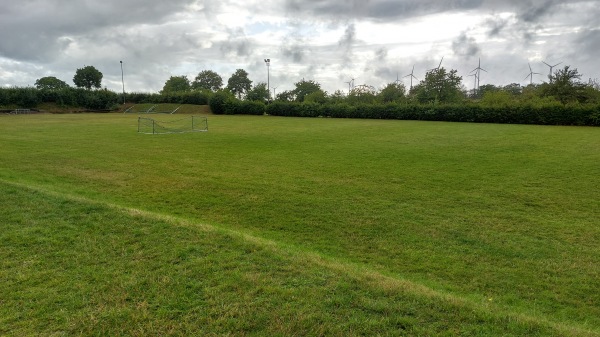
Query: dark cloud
346,44
296,53
381,54
325,40
42,29
237,44
495,25
465,46
376,9
538,9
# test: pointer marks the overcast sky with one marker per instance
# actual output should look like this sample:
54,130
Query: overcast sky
329,41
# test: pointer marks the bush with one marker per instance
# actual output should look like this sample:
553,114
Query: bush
545,112
251,108
218,101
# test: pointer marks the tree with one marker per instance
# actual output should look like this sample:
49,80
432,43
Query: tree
88,77
286,96
565,85
513,89
239,83
338,96
304,88
393,92
208,80
487,88
318,96
176,84
496,98
258,93
50,83
439,86
362,94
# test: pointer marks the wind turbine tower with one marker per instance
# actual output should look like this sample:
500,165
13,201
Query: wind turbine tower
551,67
439,65
531,73
475,84
412,75
478,73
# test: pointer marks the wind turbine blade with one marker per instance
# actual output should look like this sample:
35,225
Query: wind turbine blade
546,64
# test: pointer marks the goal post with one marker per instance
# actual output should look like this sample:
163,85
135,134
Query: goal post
180,125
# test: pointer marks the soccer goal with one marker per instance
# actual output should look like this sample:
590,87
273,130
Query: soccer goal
181,125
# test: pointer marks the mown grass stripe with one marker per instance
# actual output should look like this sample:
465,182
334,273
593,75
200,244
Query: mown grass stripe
359,272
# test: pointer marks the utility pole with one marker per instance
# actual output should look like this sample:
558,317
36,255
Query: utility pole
122,81
268,63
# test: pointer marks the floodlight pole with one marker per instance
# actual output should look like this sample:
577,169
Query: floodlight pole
268,63
122,81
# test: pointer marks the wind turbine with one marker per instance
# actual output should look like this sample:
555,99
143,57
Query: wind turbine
478,73
475,84
438,67
350,84
411,75
531,73
551,67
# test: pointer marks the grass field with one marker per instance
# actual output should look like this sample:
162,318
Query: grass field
286,226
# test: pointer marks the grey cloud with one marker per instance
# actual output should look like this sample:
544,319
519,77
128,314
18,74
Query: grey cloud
381,54
375,9
296,53
29,32
538,9
495,25
465,46
346,43
237,44
349,37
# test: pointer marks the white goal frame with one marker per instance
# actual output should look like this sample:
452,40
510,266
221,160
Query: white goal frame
181,125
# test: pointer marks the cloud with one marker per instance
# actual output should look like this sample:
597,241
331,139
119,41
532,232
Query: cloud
237,44
325,40
42,29
346,45
495,25
378,10
465,46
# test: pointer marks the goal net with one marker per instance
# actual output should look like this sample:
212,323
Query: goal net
181,125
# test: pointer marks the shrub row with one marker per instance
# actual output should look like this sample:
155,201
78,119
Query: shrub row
518,114
224,103
188,97
93,99
31,97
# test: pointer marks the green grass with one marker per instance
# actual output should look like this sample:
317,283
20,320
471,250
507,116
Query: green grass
289,226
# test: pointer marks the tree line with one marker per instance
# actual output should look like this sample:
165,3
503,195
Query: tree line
440,87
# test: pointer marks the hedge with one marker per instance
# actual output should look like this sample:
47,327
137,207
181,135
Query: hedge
517,114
